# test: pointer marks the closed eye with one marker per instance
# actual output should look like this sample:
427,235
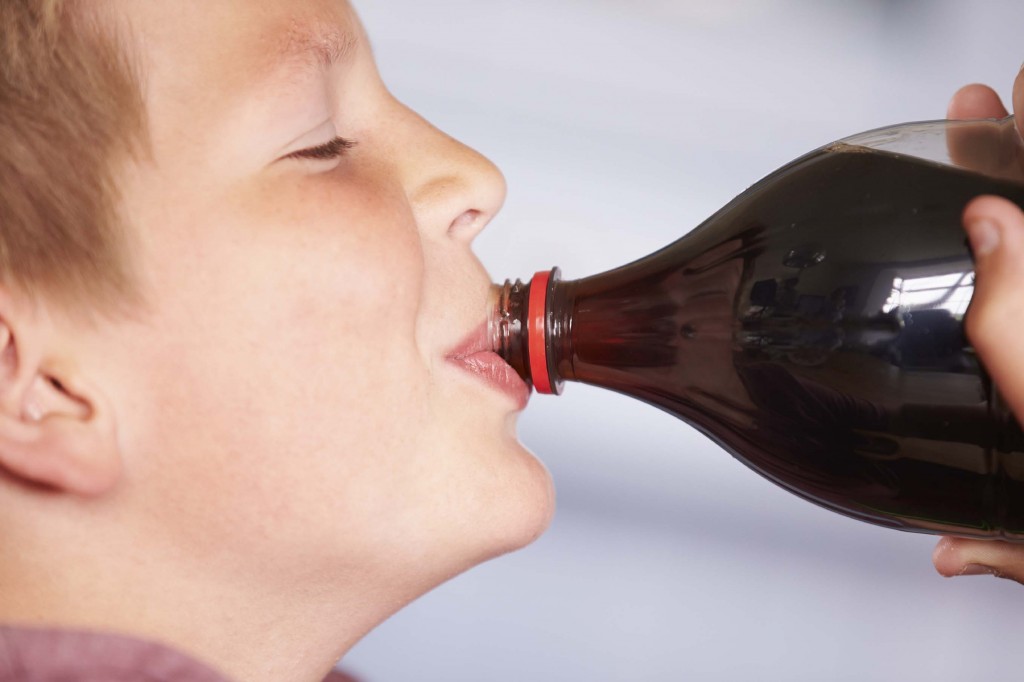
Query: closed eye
328,151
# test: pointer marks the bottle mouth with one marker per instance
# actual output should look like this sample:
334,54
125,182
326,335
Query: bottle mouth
537,332
521,328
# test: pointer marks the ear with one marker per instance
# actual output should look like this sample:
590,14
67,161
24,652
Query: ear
56,430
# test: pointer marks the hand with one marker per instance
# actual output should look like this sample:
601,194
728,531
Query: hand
994,324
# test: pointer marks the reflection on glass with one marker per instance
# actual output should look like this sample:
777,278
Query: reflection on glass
950,292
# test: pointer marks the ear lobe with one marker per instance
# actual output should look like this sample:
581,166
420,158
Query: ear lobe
55,430
74,452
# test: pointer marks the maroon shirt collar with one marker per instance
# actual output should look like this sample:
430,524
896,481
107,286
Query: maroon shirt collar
50,655
53,655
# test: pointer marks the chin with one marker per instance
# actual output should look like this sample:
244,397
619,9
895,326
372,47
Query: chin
492,497
525,507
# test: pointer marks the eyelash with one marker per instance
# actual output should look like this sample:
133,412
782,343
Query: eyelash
334,149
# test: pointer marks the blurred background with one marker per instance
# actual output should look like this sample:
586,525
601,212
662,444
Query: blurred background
621,125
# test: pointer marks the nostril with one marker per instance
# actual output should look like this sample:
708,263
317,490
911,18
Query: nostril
465,224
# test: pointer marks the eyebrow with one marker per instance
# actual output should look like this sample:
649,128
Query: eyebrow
306,46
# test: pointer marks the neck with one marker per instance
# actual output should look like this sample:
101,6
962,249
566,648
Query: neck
235,621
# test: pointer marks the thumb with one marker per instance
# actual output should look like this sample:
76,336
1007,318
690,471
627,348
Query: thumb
995,320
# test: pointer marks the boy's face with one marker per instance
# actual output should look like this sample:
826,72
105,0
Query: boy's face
288,397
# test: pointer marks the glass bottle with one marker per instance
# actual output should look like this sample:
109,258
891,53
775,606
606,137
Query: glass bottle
813,328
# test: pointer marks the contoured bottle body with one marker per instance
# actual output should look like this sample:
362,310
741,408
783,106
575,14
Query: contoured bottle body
814,329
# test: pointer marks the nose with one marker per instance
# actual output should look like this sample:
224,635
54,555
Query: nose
453,190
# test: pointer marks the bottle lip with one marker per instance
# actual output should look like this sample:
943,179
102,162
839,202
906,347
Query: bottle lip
537,332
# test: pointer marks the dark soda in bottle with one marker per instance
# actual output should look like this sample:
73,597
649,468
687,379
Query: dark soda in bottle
813,328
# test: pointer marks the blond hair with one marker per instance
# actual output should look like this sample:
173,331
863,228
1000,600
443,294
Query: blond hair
70,110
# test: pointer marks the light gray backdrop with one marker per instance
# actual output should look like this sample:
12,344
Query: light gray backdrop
620,125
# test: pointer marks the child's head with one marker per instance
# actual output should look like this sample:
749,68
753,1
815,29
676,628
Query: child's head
271,411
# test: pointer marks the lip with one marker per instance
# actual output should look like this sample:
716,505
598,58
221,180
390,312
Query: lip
475,356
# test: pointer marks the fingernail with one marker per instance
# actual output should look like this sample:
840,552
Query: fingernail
977,569
984,236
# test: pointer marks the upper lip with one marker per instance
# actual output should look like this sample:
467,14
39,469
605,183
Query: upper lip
477,341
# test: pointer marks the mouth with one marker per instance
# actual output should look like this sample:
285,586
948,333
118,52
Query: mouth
474,355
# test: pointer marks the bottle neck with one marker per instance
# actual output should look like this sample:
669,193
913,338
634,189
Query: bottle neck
526,331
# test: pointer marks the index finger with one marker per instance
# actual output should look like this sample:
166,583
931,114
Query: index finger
985,148
976,101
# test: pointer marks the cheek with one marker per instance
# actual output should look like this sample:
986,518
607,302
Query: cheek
284,341
335,295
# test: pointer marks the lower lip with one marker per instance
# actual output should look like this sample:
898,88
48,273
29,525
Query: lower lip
497,373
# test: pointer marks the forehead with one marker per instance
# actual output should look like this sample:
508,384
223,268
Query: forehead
194,48
217,73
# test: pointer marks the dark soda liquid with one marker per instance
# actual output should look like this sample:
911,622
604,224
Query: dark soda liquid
813,328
